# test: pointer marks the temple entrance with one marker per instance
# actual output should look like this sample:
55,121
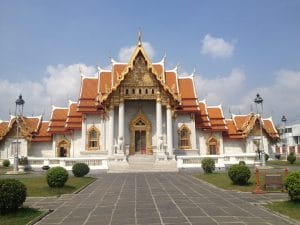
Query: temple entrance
140,141
140,135
63,148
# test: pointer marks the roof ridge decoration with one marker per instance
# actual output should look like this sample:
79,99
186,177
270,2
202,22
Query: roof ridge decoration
71,102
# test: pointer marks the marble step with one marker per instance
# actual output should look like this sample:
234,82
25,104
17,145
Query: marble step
167,166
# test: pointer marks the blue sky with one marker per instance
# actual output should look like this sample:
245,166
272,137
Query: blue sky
43,41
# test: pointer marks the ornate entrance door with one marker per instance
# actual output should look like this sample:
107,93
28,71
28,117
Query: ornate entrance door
140,141
140,135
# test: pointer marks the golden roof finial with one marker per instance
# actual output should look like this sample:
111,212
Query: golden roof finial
140,37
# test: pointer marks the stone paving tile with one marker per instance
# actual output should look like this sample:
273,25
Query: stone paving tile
157,198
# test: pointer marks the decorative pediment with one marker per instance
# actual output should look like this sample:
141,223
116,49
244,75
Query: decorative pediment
139,80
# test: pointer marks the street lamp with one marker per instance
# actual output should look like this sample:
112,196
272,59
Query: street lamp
283,120
19,111
258,100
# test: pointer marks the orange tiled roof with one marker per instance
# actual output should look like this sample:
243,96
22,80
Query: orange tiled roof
202,120
42,134
158,68
217,119
188,95
269,127
74,118
105,82
58,120
241,125
88,95
3,129
32,123
171,81
232,131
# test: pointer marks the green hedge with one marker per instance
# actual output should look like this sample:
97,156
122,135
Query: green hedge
208,165
292,184
12,195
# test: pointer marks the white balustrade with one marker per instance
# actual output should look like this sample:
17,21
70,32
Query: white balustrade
221,161
93,163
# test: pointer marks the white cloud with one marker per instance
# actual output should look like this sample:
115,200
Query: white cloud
126,52
61,84
221,89
216,47
280,97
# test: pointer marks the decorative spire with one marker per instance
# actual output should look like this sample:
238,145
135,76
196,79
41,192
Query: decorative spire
194,72
140,38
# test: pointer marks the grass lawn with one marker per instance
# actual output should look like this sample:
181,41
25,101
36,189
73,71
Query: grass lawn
288,208
282,163
3,169
21,217
37,186
222,180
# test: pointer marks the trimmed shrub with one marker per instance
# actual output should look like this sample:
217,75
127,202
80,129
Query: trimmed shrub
208,165
291,158
242,163
277,156
57,176
239,174
6,163
292,184
80,169
12,195
266,157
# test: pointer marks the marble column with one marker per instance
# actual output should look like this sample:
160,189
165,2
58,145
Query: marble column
111,131
83,131
121,128
169,131
158,125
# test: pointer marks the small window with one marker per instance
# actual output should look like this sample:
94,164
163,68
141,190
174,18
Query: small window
140,91
212,146
184,137
127,92
153,91
133,91
93,138
146,91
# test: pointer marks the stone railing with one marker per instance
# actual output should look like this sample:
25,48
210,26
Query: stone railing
221,161
93,163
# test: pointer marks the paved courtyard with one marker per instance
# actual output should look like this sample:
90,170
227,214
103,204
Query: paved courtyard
157,198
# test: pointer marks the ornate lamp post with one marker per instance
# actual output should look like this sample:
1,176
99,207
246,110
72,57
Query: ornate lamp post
19,111
284,141
258,100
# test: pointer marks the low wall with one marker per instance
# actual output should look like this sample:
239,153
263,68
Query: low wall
221,161
93,163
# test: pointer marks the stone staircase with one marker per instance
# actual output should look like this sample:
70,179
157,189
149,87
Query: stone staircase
142,163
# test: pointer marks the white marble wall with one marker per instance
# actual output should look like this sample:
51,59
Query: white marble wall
41,149
235,146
